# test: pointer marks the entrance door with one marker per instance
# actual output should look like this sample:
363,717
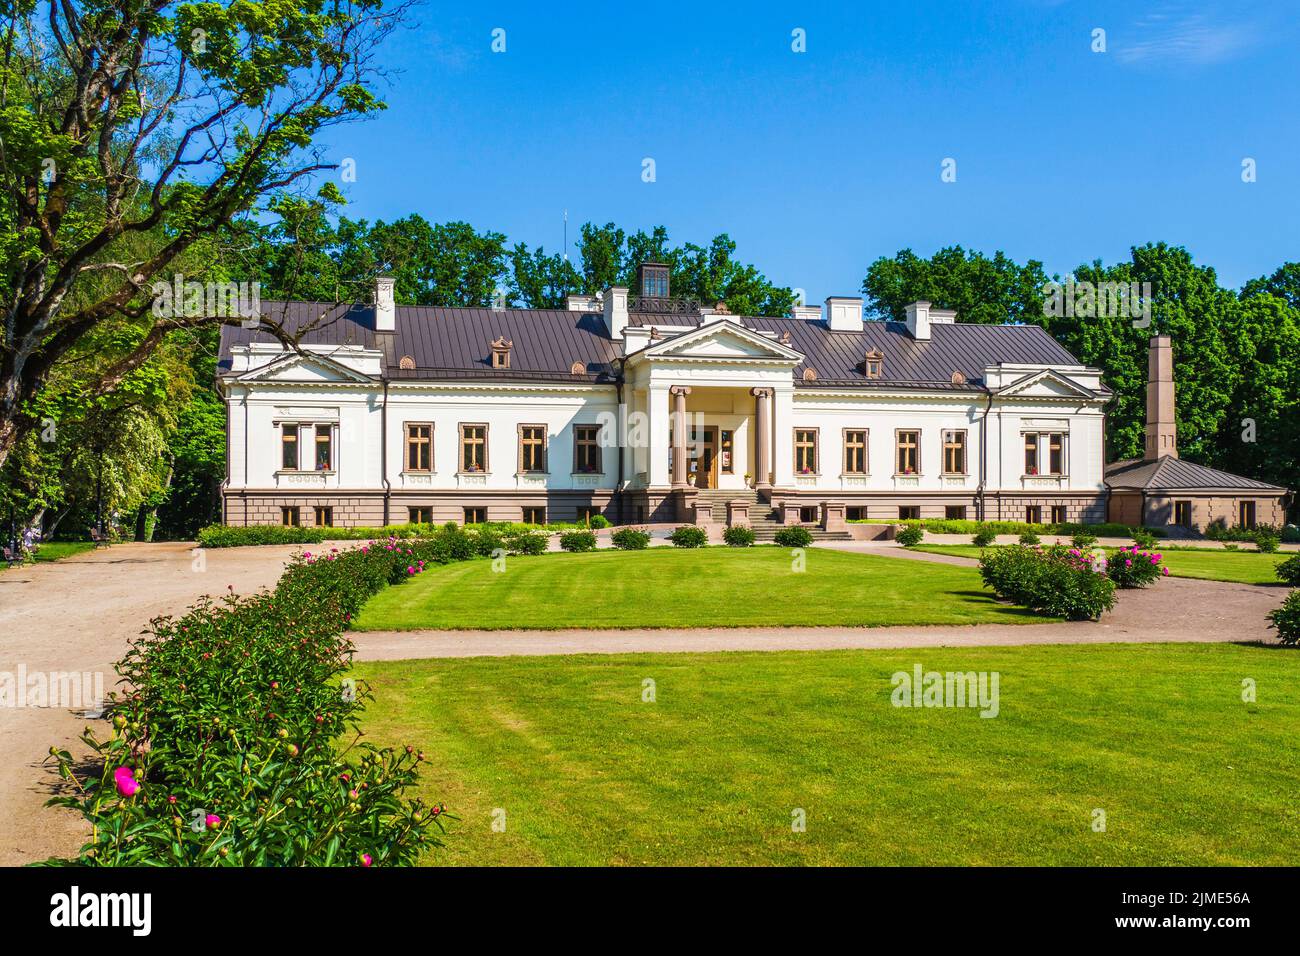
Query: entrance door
704,465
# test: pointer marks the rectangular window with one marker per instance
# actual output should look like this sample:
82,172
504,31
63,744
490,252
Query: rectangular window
1034,514
532,448
805,451
909,512
1031,453
954,452
324,517
534,515
419,515
1058,514
909,455
1246,511
289,447
856,513
808,514
1056,454
289,517
473,448
727,452
586,449
475,515
855,451
324,447
1183,514
954,512
419,447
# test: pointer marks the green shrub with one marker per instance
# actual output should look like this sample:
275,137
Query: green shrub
578,541
1290,534
909,535
1287,619
526,542
1029,537
1218,530
631,539
739,535
985,535
224,747
1053,581
1144,539
1288,572
225,536
599,521
1083,540
966,526
1135,567
794,536
485,540
1267,540
689,536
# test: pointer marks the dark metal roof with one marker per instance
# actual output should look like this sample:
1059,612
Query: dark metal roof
1168,473
449,343
445,343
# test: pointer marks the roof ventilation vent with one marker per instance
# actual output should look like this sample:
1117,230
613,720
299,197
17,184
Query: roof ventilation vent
958,378
406,362
501,352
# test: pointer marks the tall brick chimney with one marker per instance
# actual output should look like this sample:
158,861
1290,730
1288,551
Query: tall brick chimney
1161,434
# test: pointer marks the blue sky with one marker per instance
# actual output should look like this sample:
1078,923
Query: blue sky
817,163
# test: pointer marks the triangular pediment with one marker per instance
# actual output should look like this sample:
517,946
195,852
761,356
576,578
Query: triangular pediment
1046,384
303,368
723,341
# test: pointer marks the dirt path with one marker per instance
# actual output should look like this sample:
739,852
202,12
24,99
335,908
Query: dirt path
77,615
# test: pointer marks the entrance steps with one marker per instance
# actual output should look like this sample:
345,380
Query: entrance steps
763,518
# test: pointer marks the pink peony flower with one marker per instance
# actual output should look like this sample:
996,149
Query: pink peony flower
1164,570
213,821
367,859
127,785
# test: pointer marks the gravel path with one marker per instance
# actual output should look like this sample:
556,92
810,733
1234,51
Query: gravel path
78,615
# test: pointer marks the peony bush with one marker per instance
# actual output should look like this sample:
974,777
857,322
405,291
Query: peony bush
1057,581
1135,567
234,739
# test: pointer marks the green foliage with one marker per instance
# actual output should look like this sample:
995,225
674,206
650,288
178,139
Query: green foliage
227,745
1135,567
1054,581
983,290
1144,539
794,536
1084,539
525,542
1029,537
689,536
909,535
598,521
1287,619
738,535
1288,571
985,535
578,541
631,539
1267,540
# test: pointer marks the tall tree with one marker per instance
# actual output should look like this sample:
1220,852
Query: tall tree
981,289
131,130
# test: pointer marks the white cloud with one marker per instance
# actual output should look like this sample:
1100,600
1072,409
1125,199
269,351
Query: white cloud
1174,35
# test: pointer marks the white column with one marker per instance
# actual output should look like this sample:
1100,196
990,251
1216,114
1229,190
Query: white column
657,448
783,438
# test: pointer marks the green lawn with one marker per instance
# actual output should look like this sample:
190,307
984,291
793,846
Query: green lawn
1156,736
1243,567
57,550
671,587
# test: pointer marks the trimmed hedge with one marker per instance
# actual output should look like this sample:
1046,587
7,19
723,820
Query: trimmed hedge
795,536
1056,581
224,748
578,541
631,539
967,526
738,535
228,536
689,536
910,535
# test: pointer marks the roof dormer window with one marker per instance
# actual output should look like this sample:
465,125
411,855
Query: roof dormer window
873,363
653,280
501,352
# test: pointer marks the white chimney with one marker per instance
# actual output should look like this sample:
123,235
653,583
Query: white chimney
616,311
844,313
809,313
385,311
579,303
918,320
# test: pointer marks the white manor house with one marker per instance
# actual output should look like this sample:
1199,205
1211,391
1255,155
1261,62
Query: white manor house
650,408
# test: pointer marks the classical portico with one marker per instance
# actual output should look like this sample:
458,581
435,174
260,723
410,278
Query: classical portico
712,400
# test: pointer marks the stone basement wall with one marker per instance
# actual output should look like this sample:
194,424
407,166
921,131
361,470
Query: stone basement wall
366,509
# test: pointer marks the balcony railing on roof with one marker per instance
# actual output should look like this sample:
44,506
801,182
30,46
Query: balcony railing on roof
663,305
